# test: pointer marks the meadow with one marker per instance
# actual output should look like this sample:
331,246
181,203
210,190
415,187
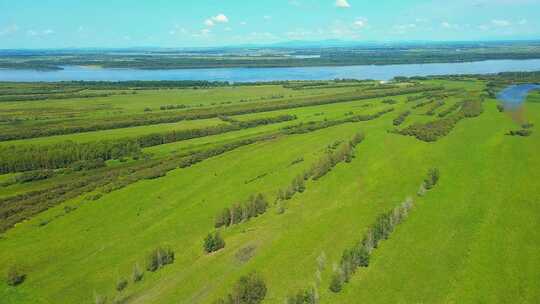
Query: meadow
85,230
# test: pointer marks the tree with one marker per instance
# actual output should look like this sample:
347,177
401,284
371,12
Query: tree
14,276
223,219
213,242
337,283
250,289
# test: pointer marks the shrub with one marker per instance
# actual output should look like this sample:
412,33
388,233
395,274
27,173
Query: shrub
336,284
121,284
250,289
137,274
432,178
213,242
15,276
308,296
159,258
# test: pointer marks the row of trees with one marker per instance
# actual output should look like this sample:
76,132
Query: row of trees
240,212
90,155
523,132
250,289
60,155
158,258
401,118
358,255
152,118
450,110
433,130
434,108
317,125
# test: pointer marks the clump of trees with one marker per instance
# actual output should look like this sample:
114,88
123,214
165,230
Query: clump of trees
421,104
213,242
307,296
60,155
434,108
389,101
253,207
401,118
433,130
359,255
15,276
158,258
523,132
450,110
501,108
432,178
250,289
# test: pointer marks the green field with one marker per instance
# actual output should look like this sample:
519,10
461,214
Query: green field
473,238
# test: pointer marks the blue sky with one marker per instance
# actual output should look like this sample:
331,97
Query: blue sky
181,23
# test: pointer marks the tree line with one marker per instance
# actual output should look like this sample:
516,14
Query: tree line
256,205
433,130
152,118
82,155
359,255
401,118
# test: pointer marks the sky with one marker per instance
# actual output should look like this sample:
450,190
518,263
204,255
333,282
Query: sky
204,23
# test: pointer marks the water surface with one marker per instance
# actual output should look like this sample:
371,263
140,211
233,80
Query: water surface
385,72
514,95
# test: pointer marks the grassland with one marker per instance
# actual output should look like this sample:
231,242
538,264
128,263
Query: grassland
472,239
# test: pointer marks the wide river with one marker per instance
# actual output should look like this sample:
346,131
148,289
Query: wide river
385,72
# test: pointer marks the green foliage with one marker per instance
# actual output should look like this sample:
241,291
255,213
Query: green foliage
401,118
522,133
308,296
121,284
358,255
213,242
14,276
431,131
432,178
137,274
253,207
250,289
159,258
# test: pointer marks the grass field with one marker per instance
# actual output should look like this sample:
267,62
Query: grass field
472,239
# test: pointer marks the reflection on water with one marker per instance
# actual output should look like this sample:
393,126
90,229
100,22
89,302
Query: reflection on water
513,96
274,74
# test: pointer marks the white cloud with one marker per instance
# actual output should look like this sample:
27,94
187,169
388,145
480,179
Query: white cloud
220,18
34,33
267,17
445,24
501,23
243,23
360,23
9,30
343,3
404,28
522,22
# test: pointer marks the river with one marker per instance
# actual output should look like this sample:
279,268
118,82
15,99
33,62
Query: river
377,72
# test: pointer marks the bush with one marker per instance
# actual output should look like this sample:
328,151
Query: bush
137,274
159,258
308,296
337,283
432,178
121,284
250,289
213,242
523,133
15,276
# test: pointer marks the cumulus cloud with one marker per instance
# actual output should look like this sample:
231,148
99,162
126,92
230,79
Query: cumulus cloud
219,18
360,23
501,23
9,30
343,3
35,33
